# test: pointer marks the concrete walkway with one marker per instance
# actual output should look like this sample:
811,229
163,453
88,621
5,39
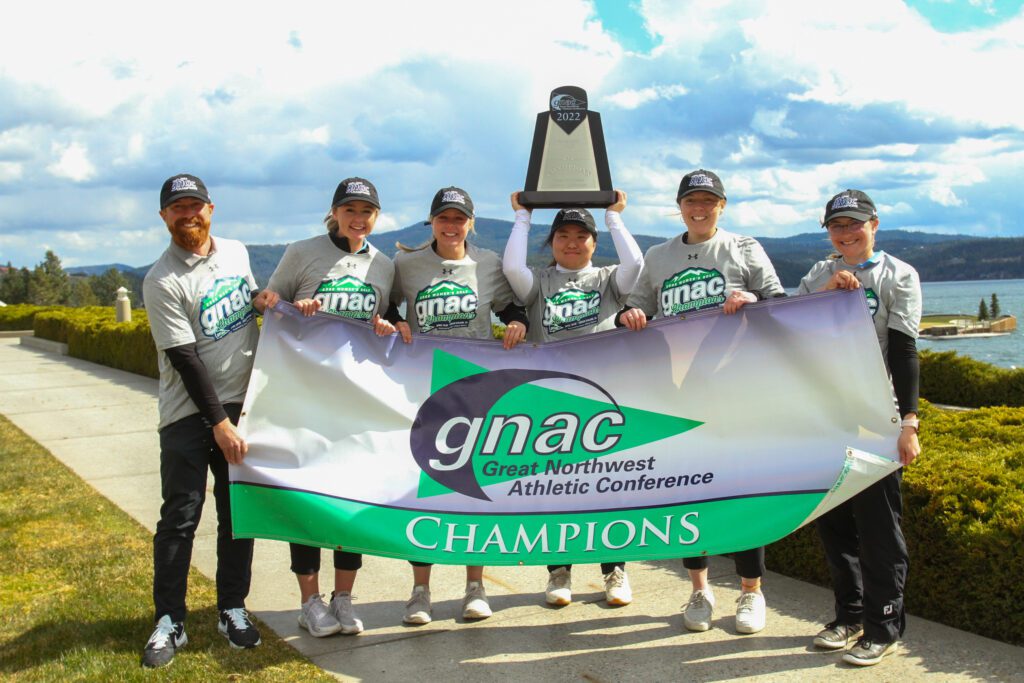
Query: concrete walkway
101,423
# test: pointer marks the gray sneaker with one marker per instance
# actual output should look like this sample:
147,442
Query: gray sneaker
316,618
474,603
698,611
559,590
418,610
167,639
342,610
868,653
836,636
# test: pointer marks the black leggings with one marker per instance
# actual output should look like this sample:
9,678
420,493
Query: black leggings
749,563
306,559
606,567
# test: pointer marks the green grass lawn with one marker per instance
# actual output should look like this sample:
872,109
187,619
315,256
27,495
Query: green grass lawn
76,588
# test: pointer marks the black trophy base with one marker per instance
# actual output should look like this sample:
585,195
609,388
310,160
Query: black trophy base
567,199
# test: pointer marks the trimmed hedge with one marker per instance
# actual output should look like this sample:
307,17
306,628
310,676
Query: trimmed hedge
21,316
963,381
92,334
963,517
54,324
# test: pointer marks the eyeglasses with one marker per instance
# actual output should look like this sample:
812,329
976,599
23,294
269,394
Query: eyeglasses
852,226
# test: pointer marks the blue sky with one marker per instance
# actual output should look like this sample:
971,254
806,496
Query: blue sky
272,105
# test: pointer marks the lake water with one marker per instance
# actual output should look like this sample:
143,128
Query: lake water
963,297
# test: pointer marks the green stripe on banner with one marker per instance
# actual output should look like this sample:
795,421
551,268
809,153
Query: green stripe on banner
673,531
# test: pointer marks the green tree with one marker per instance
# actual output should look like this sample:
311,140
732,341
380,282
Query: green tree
81,293
14,285
982,310
49,285
994,306
105,286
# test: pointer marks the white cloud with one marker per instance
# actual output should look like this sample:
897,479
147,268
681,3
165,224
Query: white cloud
73,163
772,122
631,99
10,171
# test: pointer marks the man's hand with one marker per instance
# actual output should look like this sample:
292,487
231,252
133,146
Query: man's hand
230,443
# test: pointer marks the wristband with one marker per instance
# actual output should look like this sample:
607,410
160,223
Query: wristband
911,422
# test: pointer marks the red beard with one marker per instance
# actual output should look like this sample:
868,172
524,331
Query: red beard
191,233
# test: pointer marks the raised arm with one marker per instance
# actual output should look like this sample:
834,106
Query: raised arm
513,263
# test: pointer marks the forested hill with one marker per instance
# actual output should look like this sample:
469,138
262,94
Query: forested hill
936,257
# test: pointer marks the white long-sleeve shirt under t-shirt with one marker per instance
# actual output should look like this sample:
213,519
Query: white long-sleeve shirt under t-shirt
563,303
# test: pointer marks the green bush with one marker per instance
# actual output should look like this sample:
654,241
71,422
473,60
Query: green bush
55,323
125,346
962,381
21,316
963,517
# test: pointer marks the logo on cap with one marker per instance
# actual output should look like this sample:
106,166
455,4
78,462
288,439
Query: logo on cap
573,215
357,187
701,180
183,185
453,196
844,202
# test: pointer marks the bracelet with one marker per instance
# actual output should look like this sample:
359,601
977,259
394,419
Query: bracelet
912,422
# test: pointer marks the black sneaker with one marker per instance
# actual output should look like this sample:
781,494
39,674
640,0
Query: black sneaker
868,653
237,628
164,643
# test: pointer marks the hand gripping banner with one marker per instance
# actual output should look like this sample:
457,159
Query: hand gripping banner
702,435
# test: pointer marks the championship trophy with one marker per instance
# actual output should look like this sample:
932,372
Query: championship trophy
568,161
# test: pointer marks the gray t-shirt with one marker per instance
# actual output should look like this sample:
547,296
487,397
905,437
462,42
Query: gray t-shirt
205,300
351,285
453,298
564,304
892,288
681,278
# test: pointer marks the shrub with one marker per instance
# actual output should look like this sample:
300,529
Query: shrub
21,316
54,323
963,504
125,346
962,381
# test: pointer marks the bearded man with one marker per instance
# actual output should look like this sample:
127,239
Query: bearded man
201,300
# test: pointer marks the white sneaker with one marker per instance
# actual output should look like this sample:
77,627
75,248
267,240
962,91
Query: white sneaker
317,619
474,603
559,590
698,611
616,588
750,613
418,610
342,610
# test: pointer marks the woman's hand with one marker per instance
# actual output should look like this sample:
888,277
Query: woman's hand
515,332
265,299
842,279
633,318
620,202
404,330
737,300
516,206
307,307
908,445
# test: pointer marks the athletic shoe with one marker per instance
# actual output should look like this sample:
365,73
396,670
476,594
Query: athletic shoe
417,610
616,588
236,626
166,640
317,619
868,653
474,603
559,590
836,636
342,610
750,613
698,611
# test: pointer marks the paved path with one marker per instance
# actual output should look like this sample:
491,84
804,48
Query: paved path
101,423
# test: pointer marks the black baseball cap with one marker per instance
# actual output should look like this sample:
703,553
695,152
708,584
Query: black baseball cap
451,198
850,204
700,181
182,185
355,190
580,217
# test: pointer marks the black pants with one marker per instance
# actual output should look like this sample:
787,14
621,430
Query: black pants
187,451
606,567
867,557
749,563
306,559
